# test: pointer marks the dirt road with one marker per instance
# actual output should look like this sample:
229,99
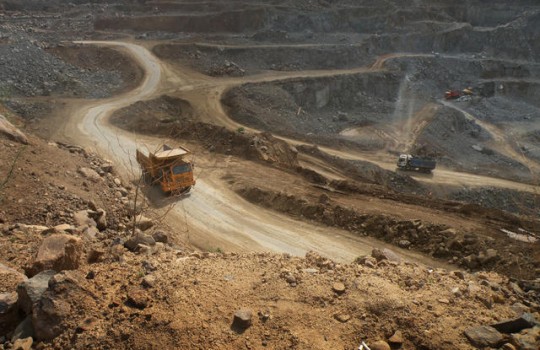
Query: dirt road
213,216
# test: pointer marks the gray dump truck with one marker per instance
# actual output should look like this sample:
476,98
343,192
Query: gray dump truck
415,163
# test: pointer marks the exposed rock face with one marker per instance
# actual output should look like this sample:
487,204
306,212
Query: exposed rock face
31,290
57,252
52,312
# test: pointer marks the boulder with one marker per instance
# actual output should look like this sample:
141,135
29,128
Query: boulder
57,252
9,130
515,325
54,310
484,336
31,290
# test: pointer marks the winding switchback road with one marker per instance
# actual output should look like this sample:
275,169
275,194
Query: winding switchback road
213,216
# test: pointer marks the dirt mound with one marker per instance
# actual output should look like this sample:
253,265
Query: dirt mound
172,117
153,116
467,249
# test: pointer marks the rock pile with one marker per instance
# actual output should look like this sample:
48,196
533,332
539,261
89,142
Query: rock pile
26,69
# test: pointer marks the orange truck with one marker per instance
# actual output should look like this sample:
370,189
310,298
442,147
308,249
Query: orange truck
168,167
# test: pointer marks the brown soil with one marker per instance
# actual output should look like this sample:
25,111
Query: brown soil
257,192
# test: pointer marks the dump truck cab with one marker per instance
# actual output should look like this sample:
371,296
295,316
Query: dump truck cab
403,160
169,167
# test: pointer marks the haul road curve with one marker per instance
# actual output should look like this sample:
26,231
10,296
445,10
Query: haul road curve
214,216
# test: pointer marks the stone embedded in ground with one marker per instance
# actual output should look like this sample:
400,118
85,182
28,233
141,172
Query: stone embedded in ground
459,274
379,345
57,252
9,315
31,290
484,336
23,344
385,254
82,219
515,325
396,338
139,238
338,287
291,280
343,318
63,227
489,256
149,281
90,174
404,243
143,223
242,319
47,316
137,298
95,255
520,308
160,236
100,217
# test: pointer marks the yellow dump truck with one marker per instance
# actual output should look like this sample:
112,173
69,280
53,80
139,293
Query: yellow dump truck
168,167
